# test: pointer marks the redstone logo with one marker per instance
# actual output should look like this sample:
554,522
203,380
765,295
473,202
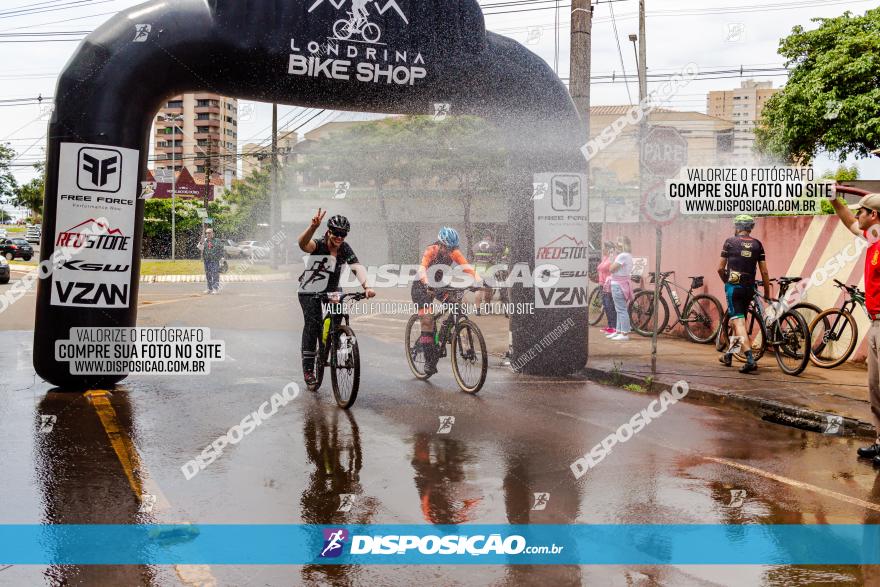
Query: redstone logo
564,247
92,234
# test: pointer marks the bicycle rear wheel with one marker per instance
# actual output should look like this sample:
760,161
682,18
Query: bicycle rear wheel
415,356
791,341
641,313
833,337
469,358
703,318
595,306
345,367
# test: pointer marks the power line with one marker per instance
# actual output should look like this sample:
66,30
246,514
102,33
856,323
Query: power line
620,52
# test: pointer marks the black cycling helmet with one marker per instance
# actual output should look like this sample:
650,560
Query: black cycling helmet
339,222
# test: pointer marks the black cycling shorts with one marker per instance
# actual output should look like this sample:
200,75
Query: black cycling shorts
738,299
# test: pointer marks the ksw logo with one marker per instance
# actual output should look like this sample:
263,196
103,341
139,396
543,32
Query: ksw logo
566,193
98,170
100,295
563,296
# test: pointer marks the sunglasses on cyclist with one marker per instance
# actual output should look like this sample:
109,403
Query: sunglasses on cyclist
338,233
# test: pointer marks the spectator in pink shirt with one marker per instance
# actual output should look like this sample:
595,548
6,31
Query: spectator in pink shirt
604,270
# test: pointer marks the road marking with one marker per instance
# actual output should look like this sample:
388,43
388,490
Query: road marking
149,303
754,470
146,490
799,484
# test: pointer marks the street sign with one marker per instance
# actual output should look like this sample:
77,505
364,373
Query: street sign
656,207
202,213
664,151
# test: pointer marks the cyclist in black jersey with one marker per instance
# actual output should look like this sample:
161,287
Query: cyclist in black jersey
741,257
321,274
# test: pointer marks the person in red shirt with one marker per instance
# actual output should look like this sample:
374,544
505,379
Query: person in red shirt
866,223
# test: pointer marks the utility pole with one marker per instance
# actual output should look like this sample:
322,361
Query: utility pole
643,133
274,188
579,74
208,172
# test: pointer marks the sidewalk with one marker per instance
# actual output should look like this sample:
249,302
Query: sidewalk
809,400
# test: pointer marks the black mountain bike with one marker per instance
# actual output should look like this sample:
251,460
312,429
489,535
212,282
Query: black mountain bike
470,361
701,317
788,334
338,349
834,332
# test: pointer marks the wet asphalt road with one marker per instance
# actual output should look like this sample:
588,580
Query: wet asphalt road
517,437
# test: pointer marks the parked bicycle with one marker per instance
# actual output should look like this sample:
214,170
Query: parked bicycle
788,334
470,361
834,332
595,307
807,310
338,349
701,316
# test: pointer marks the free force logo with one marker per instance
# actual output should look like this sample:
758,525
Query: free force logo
99,170
334,539
566,193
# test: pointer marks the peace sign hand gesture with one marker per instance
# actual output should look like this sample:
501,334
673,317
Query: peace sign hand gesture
318,218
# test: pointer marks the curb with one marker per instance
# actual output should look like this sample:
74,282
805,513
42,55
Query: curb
767,410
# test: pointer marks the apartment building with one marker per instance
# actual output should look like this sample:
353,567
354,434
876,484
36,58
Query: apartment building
192,127
741,106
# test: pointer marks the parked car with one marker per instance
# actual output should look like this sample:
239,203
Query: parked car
12,248
3,233
33,233
232,249
253,249
4,270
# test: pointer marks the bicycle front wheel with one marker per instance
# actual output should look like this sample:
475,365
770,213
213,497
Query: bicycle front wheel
345,367
791,339
469,358
833,337
641,313
595,306
808,311
415,355
702,318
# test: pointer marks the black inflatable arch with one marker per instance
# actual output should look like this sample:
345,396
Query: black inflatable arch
277,50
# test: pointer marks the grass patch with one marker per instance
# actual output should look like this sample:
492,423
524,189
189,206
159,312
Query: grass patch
634,387
14,228
196,267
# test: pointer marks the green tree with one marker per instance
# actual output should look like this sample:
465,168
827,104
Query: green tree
31,194
8,184
843,173
464,150
468,151
247,204
832,99
4,216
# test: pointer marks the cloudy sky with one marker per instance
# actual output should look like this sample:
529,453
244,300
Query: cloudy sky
714,34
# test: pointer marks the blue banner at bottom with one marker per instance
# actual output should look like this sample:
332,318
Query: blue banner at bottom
261,544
